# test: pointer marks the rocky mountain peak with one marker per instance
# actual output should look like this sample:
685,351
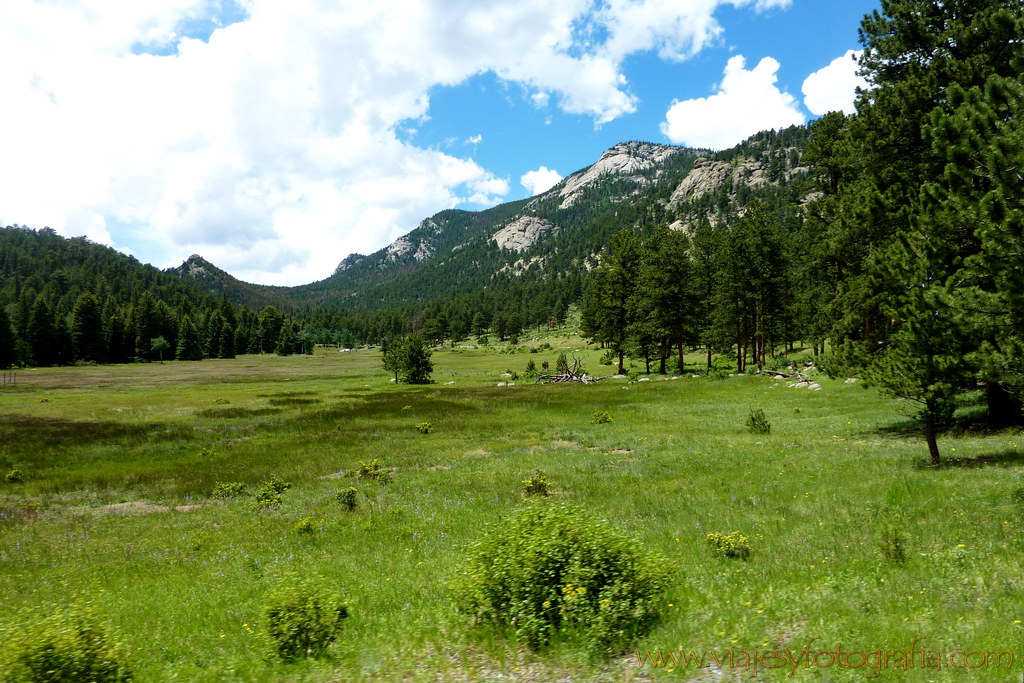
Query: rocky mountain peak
624,159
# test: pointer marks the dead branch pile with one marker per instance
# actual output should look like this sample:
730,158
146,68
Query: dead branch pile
572,373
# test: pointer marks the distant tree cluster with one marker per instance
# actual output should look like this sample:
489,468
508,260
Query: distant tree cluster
64,301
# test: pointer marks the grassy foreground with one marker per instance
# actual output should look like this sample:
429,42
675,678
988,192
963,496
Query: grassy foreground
853,541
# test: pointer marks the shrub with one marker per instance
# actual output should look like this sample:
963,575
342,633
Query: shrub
601,417
537,485
425,427
893,544
15,476
71,645
347,497
531,368
758,423
555,569
228,489
303,619
734,545
609,358
207,453
306,525
373,470
269,494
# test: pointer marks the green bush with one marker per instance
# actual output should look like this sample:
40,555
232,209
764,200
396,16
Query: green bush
601,417
302,619
555,569
207,453
229,489
425,427
373,470
347,498
269,494
306,525
71,645
15,476
758,423
537,485
893,544
734,545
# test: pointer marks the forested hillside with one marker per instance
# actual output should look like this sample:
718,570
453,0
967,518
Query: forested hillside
64,301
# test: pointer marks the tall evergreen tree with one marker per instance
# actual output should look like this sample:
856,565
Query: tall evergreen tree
87,335
227,342
41,335
189,347
8,342
607,311
902,251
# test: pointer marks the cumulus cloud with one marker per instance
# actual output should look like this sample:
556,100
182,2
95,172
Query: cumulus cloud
834,88
746,102
541,180
282,142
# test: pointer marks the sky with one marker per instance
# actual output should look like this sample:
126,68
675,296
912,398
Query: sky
276,138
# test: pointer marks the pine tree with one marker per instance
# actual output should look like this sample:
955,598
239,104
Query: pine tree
188,341
8,342
893,309
87,336
41,335
982,187
227,342
607,311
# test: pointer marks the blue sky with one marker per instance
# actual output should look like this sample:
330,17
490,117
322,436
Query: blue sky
276,139
518,137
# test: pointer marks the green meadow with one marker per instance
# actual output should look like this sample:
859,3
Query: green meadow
854,541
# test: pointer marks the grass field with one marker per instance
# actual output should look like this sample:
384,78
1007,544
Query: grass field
853,540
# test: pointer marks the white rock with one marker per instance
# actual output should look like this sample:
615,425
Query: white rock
814,387
522,233
850,380
622,159
644,379
501,384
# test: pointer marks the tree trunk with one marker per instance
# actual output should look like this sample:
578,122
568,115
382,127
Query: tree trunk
1002,409
622,369
929,435
682,362
709,356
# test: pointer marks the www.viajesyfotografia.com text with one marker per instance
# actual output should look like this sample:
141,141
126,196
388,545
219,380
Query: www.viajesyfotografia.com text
874,661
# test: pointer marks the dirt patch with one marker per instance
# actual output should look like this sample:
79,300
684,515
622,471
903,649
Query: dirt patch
478,452
435,468
620,451
337,475
571,445
135,507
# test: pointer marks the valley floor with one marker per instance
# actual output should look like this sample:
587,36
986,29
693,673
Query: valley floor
854,541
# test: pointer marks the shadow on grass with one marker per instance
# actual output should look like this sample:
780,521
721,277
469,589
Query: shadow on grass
1002,459
26,433
230,413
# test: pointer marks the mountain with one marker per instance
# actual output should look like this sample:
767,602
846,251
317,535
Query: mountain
553,238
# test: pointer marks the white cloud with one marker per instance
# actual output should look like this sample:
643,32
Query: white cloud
746,102
282,143
834,87
541,180
540,99
474,140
